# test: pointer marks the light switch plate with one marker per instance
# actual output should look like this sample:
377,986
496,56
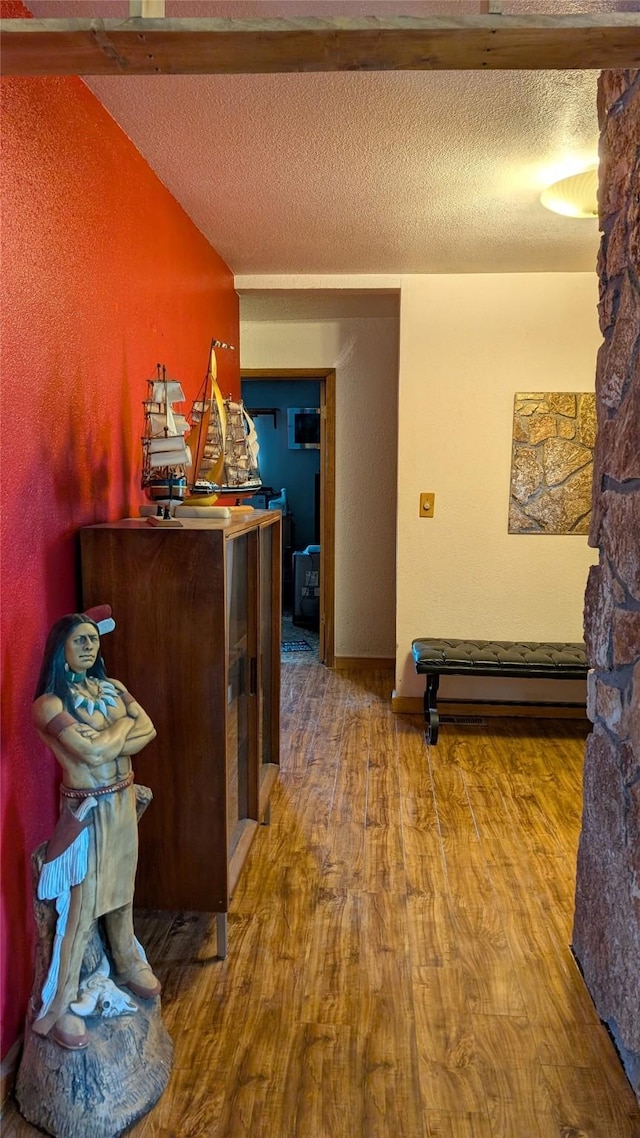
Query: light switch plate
427,505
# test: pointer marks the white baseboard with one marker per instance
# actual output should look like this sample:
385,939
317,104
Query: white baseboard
364,663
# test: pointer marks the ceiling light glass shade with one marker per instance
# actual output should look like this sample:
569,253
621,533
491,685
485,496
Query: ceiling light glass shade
576,196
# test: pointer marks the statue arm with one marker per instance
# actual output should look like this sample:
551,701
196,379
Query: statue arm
79,740
143,731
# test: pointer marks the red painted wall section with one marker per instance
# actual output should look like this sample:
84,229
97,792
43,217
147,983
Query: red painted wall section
103,276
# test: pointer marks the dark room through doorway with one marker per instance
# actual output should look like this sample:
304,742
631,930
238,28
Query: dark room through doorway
290,415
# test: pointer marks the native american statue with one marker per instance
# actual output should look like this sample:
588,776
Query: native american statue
93,726
96,1053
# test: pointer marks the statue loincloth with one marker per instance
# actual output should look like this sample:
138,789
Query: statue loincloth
89,870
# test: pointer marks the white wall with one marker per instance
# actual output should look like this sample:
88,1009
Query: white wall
364,352
467,344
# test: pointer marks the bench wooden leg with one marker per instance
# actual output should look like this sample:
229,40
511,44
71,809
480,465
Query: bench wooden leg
431,717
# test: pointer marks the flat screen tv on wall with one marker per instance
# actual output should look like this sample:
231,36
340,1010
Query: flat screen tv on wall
303,427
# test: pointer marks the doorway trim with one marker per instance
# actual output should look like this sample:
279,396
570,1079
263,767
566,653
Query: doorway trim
326,378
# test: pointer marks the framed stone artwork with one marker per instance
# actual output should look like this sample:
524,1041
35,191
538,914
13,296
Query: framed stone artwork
554,434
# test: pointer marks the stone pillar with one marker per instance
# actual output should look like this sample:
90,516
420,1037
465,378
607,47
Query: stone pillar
606,934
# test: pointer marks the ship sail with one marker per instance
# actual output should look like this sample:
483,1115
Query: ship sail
223,442
241,471
206,439
167,391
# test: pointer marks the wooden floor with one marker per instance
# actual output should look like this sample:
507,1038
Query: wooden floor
398,946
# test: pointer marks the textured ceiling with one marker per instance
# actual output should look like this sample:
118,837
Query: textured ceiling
393,172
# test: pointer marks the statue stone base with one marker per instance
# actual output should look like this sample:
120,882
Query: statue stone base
101,1090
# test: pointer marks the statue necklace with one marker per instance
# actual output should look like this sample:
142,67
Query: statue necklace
104,696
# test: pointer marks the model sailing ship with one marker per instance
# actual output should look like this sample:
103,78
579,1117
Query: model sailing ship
165,454
223,441
220,456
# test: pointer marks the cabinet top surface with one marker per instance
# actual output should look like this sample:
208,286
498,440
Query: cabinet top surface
232,525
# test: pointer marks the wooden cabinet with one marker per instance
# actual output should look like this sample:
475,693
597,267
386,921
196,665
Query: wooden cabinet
197,642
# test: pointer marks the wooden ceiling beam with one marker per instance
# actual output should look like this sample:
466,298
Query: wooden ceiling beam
225,47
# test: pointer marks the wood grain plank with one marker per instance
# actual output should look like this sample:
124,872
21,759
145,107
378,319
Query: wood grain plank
519,1102
452,802
505,1041
494,990
13,1126
580,1104
491,977
331,987
466,870
432,941
321,1093
192,1101
443,1023
425,868
472,754
391,1100
383,788
418,806
384,863
450,1090
589,1045
352,776
490,810
249,1079
299,736
343,855
384,943
552,994
329,728
445,1125
175,46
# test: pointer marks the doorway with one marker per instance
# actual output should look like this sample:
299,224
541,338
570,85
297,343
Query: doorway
326,380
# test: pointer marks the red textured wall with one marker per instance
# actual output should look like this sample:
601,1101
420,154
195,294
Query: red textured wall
103,276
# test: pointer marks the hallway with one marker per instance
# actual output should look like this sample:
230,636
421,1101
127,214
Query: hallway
398,945
299,644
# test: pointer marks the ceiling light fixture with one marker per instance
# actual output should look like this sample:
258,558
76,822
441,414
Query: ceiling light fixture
576,196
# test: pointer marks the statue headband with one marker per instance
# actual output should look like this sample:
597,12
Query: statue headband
101,616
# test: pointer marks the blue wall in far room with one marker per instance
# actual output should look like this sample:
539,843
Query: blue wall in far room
279,466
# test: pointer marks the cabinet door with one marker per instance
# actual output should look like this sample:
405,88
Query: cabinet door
242,805
269,595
